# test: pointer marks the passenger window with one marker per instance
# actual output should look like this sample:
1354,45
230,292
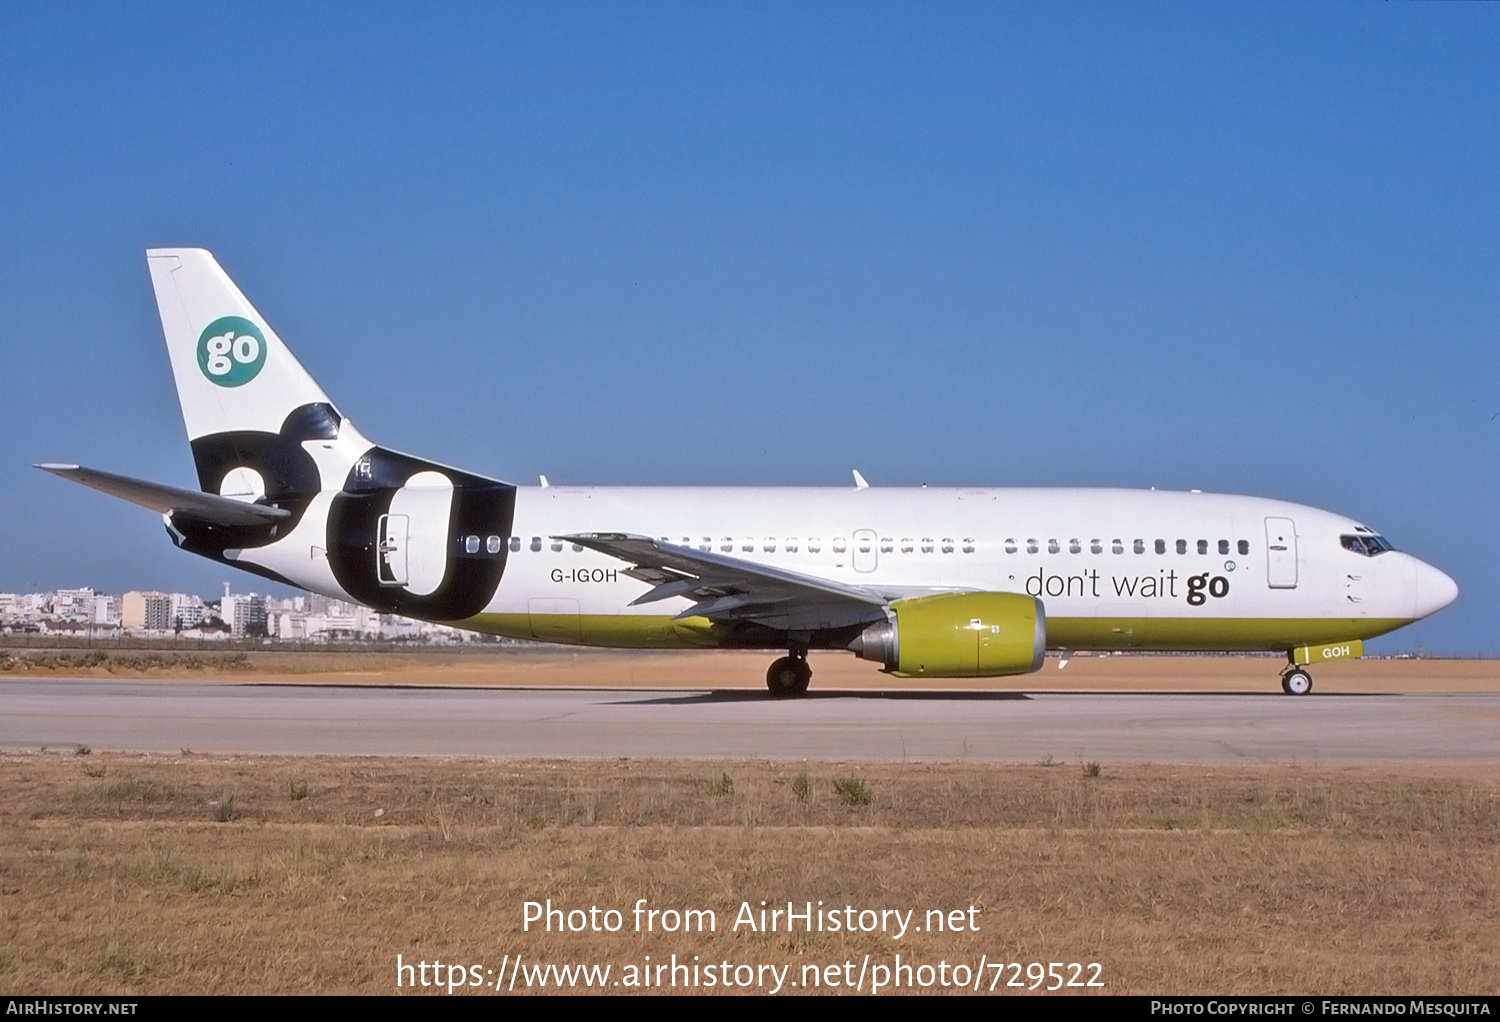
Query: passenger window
906,545
1075,547
557,546
1244,547
791,544
1203,546
1223,546
577,549
492,545
947,545
814,545
536,544
1096,546
769,546
726,545
839,545
1053,546
968,545
1032,546
747,547
471,545
1140,546
707,544
1182,546
515,544
927,544
1010,546
1116,547
1161,546
887,544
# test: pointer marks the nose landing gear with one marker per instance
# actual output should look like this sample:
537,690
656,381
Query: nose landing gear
790,675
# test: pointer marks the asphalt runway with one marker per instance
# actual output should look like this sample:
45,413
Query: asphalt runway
1015,726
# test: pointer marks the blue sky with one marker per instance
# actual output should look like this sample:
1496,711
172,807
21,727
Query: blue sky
1244,248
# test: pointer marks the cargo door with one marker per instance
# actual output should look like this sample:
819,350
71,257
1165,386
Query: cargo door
555,620
1281,553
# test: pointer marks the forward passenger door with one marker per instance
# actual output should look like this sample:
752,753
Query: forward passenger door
1281,553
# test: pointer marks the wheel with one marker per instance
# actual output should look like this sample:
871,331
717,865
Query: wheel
1296,683
788,676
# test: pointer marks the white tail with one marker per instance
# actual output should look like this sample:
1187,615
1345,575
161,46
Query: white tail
233,373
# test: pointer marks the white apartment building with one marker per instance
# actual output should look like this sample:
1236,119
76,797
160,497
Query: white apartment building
244,613
73,604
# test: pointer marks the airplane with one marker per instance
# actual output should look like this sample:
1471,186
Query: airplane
924,582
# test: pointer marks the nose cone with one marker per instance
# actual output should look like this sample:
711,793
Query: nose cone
1434,590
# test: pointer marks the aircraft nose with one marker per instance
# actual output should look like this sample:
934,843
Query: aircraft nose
1434,590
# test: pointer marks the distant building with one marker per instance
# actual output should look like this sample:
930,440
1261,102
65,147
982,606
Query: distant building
106,610
245,614
187,611
151,611
73,604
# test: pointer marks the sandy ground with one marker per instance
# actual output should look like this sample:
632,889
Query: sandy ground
564,668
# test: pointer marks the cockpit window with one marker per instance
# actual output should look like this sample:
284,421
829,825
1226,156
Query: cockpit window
1370,545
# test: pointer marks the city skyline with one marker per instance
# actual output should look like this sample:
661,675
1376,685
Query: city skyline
153,613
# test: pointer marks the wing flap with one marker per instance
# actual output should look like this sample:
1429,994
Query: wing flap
724,588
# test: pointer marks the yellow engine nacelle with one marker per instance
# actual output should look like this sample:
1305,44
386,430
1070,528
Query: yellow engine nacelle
958,635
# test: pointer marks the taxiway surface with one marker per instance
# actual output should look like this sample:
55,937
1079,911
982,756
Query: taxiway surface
1015,726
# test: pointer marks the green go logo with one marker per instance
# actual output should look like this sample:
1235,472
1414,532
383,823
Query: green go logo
231,351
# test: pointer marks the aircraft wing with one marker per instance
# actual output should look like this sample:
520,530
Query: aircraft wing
167,500
727,588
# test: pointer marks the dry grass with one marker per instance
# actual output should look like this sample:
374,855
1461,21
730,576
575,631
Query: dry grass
95,662
132,876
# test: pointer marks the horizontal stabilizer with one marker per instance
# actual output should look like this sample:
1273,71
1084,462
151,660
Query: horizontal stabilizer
205,507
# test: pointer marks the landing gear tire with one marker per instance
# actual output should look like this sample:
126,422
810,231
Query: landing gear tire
788,677
1296,683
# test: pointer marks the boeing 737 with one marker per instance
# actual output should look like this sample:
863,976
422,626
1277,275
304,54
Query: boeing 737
926,583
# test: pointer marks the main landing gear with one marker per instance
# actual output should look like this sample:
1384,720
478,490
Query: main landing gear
1296,682
790,675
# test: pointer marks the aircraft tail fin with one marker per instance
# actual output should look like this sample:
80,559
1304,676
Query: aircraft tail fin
248,404
232,371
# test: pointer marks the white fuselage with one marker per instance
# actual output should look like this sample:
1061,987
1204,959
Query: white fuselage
1205,567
